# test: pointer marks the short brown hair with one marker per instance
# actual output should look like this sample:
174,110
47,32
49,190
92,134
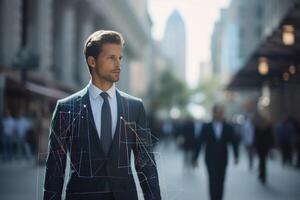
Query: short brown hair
94,43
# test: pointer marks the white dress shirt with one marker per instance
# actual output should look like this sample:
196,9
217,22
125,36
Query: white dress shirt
96,105
217,125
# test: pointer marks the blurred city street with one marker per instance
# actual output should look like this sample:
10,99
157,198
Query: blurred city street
20,180
219,73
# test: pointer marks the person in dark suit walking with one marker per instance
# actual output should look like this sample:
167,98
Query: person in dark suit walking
263,143
216,136
96,129
189,142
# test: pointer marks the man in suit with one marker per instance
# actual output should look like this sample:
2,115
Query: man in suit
189,142
263,142
97,128
216,135
198,127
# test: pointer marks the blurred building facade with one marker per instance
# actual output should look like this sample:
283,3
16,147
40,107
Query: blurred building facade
174,44
51,34
56,31
241,28
259,26
215,47
225,44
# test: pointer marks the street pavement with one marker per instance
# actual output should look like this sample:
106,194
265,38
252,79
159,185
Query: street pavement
20,180
179,182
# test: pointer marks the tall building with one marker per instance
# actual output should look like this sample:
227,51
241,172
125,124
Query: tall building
224,45
174,44
250,15
54,32
216,49
230,43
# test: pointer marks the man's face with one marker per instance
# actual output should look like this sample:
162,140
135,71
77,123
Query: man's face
218,113
107,66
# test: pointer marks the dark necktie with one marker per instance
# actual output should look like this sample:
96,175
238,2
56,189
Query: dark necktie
106,127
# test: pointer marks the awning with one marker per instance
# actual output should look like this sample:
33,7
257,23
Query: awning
14,86
45,91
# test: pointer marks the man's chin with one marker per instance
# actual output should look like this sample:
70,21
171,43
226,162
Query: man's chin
112,78
115,79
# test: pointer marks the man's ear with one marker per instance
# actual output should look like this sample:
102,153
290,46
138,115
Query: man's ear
91,61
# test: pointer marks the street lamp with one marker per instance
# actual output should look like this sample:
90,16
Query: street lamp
286,76
263,66
288,35
292,69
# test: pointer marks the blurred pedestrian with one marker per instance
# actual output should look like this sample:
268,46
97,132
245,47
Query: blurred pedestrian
263,143
43,134
167,130
280,139
248,139
292,128
9,130
189,142
284,132
23,126
198,127
179,134
297,142
298,147
216,136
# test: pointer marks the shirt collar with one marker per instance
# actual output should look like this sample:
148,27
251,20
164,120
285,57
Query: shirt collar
95,91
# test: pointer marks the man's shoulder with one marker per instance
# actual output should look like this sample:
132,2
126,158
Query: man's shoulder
129,97
73,97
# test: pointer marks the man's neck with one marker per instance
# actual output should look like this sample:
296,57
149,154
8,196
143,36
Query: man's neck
102,85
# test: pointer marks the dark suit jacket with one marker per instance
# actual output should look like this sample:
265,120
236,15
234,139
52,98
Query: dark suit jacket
263,139
188,133
73,136
216,154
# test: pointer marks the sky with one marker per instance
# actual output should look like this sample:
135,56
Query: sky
199,17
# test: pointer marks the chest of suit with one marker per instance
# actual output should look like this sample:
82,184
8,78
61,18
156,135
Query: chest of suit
217,148
84,145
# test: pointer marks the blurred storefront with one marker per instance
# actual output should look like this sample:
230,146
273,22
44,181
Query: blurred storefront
35,99
33,88
273,67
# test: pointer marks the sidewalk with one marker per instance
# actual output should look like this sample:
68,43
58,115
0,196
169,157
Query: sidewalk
24,181
180,183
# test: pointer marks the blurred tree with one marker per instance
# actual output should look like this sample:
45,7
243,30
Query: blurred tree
211,90
171,92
